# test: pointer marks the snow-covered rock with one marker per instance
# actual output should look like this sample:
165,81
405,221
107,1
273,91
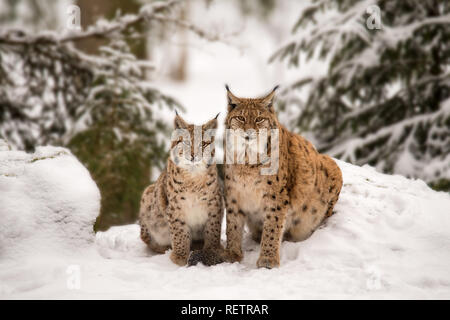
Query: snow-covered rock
48,203
390,238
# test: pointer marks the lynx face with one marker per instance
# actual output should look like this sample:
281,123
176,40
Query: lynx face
193,146
250,114
251,120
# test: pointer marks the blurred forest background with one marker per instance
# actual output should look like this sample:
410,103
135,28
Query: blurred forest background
107,90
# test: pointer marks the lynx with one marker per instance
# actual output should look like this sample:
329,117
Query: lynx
290,204
184,207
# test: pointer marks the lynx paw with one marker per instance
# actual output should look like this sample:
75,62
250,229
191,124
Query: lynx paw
232,256
268,262
179,260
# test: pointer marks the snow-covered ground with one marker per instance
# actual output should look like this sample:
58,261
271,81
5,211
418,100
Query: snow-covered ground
390,238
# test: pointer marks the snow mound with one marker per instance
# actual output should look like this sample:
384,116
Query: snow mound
48,203
389,238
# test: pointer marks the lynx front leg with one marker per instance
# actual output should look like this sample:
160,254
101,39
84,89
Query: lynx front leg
235,229
212,252
213,224
273,227
181,238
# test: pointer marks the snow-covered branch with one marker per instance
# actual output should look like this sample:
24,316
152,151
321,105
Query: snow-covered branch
393,135
399,94
102,29
105,29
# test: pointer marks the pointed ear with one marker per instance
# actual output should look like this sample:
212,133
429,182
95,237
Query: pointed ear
211,124
232,99
179,122
267,101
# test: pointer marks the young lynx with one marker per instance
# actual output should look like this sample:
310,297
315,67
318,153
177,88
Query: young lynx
184,207
289,204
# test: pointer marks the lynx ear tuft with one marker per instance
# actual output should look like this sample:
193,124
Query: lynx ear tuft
267,101
211,124
217,116
179,122
232,99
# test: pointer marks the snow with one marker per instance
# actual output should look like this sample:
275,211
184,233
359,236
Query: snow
388,239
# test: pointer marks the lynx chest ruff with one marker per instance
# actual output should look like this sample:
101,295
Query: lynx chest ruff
195,210
248,194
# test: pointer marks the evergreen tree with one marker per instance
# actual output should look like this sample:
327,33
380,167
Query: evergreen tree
384,99
121,134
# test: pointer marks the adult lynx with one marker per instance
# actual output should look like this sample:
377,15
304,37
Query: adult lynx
289,204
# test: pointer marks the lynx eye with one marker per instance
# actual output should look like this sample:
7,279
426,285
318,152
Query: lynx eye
260,120
240,118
